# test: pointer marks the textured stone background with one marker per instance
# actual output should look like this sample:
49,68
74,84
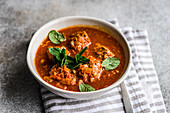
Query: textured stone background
19,92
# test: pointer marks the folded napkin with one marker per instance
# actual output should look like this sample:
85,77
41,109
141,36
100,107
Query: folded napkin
139,93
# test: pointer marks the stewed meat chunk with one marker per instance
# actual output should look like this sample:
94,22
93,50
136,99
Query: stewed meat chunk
91,71
79,40
63,74
102,52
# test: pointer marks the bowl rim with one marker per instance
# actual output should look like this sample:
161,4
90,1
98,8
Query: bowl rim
45,84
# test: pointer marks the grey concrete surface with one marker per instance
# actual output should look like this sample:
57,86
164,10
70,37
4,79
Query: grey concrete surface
19,91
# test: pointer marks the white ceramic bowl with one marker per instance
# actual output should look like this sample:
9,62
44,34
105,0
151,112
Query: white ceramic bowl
70,21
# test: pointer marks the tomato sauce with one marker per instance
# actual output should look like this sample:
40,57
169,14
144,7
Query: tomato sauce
43,64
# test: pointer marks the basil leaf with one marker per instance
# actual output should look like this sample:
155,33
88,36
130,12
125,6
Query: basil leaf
78,56
111,63
82,51
85,88
59,56
61,37
54,60
57,49
53,37
55,52
56,37
77,65
78,60
63,61
64,56
73,65
83,59
63,53
69,60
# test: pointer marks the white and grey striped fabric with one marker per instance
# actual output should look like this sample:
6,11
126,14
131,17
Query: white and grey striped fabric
139,93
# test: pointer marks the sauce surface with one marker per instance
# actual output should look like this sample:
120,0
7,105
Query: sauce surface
43,64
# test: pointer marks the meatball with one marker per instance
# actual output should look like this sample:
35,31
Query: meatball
91,71
79,40
102,52
50,56
63,74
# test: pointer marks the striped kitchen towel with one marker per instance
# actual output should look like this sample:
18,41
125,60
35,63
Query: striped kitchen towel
139,93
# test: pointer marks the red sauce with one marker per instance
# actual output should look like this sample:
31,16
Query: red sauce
107,78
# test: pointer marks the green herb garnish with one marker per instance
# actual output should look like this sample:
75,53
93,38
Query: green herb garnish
110,63
85,88
59,55
81,59
55,52
60,58
56,37
78,60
